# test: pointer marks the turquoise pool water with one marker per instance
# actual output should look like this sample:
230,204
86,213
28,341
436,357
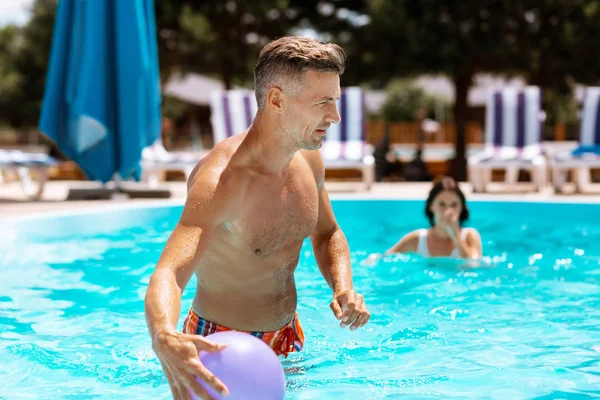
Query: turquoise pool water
526,325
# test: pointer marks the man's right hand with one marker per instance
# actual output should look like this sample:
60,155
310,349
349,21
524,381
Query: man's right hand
178,354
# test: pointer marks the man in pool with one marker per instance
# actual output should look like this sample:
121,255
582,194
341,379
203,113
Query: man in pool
251,203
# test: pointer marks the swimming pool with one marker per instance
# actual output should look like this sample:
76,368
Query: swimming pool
524,326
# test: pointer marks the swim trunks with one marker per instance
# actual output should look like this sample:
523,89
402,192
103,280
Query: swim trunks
289,338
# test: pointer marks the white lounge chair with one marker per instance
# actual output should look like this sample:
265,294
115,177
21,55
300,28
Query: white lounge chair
22,164
156,160
587,155
345,145
513,138
232,112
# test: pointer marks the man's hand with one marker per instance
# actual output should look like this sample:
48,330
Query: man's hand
178,354
350,308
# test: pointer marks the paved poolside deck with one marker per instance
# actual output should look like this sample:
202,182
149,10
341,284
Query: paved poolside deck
14,204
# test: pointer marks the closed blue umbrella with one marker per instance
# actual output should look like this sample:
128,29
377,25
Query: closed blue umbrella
102,96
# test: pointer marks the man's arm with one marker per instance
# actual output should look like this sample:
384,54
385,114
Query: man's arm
178,353
331,248
173,271
333,255
180,255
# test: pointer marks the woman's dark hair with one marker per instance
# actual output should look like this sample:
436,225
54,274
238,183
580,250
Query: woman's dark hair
446,183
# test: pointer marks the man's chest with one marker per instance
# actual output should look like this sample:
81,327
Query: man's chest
271,218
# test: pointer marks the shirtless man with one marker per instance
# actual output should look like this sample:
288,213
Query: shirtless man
251,203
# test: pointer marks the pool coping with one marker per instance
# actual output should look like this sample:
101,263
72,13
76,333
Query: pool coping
335,197
54,203
101,208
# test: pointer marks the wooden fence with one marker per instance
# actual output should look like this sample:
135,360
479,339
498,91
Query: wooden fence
408,132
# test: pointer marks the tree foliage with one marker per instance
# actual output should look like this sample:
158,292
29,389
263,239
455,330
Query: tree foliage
224,38
546,41
24,55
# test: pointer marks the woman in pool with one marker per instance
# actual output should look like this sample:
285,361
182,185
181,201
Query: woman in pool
446,209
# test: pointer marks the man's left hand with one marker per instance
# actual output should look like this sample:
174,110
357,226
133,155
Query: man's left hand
349,307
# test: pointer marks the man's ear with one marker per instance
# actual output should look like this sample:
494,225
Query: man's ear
275,98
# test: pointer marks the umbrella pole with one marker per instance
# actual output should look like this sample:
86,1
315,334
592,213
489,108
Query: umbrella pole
119,191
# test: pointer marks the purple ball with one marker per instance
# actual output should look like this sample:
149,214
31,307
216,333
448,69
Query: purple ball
248,367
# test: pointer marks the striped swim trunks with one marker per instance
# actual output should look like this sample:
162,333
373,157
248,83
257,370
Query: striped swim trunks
286,340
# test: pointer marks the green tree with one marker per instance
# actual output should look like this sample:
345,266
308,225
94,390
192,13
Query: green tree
457,39
341,22
559,46
220,38
404,101
10,77
559,51
23,61
223,38
546,41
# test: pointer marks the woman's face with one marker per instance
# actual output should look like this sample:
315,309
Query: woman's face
445,200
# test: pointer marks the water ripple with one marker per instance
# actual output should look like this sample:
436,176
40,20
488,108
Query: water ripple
521,324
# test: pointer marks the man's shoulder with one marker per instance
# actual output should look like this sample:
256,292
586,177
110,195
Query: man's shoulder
210,189
210,178
222,152
215,161
314,160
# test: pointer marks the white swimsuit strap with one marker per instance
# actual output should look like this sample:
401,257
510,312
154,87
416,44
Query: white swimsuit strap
422,245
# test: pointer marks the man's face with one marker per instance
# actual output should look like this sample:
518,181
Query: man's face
307,115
